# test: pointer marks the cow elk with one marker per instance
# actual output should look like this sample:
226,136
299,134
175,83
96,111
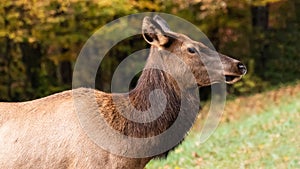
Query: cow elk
47,133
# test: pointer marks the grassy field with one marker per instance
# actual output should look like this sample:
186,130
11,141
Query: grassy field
265,133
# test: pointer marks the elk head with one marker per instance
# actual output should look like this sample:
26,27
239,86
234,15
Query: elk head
206,65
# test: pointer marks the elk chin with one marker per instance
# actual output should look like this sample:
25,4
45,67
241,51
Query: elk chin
230,79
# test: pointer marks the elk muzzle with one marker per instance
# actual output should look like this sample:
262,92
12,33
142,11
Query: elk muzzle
233,69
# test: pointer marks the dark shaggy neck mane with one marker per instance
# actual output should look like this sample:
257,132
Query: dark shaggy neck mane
150,80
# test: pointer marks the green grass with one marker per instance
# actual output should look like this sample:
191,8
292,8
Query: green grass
267,140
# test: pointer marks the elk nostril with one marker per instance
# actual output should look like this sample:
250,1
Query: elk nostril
242,68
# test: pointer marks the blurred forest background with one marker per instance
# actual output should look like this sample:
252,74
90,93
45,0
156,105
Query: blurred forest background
40,40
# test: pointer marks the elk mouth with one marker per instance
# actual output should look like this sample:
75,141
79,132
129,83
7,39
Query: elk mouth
230,79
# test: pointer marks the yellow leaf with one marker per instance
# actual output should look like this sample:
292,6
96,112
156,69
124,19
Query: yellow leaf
3,33
31,39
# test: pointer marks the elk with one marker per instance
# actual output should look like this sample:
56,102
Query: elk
46,133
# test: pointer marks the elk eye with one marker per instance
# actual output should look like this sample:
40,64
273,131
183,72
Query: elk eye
191,50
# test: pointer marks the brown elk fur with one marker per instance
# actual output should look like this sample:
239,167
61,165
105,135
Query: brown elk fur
46,133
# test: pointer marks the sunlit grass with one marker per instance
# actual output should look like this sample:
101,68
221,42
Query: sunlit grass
270,139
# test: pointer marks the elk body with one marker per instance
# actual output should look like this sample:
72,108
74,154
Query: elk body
46,133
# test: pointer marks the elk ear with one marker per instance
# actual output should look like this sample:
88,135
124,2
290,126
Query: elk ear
154,31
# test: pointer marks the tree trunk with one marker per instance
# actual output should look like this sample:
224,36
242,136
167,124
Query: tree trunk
31,57
260,20
8,59
66,72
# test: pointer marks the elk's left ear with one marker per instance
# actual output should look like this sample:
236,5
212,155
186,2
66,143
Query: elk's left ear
154,31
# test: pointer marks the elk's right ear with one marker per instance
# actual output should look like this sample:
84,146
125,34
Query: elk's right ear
153,33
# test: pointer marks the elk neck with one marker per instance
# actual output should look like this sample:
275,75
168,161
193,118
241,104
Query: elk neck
154,78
